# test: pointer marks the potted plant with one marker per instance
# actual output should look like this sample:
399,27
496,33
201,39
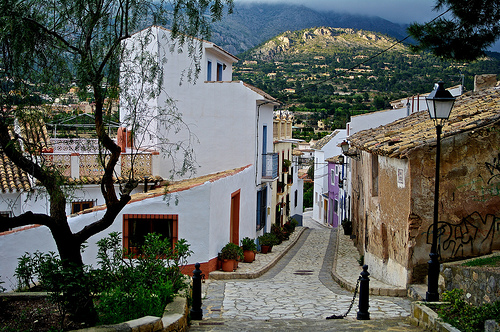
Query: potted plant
267,241
249,249
347,226
230,254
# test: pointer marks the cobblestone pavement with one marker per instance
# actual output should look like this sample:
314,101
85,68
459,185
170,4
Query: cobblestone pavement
297,293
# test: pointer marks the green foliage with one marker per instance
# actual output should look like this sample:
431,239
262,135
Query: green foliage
248,244
308,194
231,251
465,34
462,315
280,233
124,287
268,239
486,261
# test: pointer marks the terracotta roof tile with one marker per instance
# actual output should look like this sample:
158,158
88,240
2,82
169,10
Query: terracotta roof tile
12,178
324,141
396,139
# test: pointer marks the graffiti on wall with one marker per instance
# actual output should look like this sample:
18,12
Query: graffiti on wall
486,185
494,169
472,236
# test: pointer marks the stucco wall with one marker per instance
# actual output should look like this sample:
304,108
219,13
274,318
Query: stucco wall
469,208
381,216
204,219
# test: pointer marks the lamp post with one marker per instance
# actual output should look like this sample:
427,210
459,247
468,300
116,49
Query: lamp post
439,103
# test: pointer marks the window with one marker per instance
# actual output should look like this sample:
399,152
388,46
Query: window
332,175
374,175
209,70
5,214
219,71
137,226
296,198
82,205
336,206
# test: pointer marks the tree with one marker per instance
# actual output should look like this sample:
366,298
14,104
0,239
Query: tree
474,26
46,44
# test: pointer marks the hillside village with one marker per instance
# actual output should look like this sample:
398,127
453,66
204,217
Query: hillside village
248,170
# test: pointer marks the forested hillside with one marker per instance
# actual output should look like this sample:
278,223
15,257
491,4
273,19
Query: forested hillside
331,74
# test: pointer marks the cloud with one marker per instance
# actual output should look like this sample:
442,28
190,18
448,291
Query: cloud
398,11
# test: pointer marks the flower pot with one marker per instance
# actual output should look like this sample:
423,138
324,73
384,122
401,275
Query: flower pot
249,256
265,249
228,265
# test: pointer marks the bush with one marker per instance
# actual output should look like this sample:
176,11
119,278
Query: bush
125,287
248,244
268,239
464,316
231,251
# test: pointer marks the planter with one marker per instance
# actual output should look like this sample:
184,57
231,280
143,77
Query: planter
265,249
228,265
249,256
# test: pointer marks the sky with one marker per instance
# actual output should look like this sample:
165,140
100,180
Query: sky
397,11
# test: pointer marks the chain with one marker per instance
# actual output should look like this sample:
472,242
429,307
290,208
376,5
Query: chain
350,306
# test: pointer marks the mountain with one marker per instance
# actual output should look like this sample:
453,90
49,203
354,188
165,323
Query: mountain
253,23
322,41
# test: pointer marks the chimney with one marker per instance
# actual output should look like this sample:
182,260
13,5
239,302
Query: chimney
484,81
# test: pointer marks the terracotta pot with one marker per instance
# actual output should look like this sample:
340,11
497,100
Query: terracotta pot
228,265
236,264
249,256
265,249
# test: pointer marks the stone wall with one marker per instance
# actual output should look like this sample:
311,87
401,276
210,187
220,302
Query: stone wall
480,284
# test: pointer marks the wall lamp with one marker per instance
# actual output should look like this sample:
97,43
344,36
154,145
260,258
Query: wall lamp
345,150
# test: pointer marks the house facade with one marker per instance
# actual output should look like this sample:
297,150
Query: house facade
325,148
393,189
287,197
335,198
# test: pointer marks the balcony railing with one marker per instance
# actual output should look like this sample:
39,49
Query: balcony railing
270,166
76,165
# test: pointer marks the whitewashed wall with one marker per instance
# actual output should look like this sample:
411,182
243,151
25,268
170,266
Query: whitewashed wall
202,210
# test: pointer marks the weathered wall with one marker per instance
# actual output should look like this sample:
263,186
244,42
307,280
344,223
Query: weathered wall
469,202
380,215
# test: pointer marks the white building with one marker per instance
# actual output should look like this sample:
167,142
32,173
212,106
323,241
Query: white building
325,148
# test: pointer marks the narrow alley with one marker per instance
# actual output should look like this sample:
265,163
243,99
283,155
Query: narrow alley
297,293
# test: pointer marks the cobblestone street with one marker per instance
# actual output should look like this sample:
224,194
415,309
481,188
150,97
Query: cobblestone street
297,293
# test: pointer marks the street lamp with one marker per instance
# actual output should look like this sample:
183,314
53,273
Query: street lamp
439,103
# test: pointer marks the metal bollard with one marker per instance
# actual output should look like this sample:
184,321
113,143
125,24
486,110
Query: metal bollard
196,311
364,293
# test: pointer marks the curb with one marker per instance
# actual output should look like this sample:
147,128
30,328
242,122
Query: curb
350,285
425,317
174,319
219,275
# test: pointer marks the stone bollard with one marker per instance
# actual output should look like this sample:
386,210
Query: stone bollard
364,294
196,311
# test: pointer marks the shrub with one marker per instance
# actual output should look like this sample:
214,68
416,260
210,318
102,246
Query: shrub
125,287
231,251
464,316
268,239
248,244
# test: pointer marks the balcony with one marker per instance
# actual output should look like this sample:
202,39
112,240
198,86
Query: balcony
270,167
79,158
